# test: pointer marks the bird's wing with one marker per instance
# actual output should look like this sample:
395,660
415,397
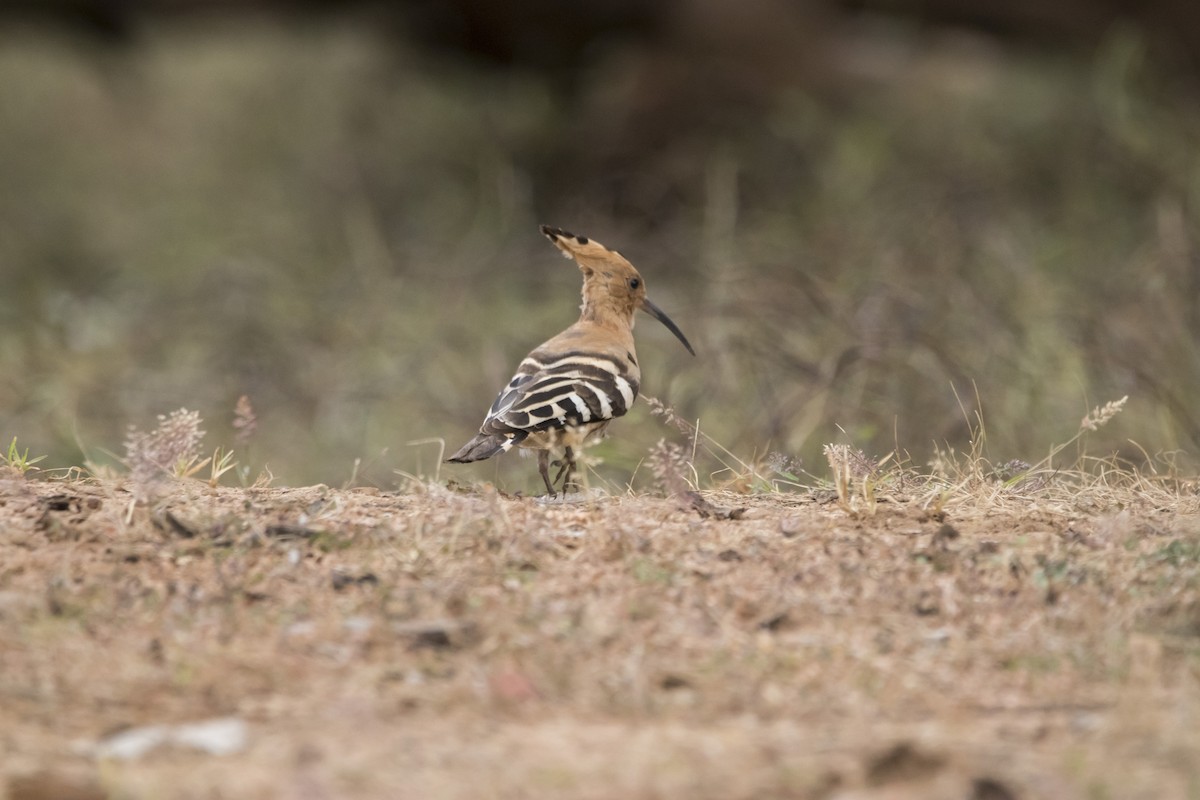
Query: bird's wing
566,389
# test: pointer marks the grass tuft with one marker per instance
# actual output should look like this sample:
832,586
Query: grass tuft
19,460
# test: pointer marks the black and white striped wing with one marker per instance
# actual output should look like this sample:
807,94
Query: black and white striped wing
569,389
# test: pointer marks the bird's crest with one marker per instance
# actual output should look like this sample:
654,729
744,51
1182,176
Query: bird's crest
588,253
612,288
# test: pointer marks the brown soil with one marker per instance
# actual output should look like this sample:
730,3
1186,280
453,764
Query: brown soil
433,644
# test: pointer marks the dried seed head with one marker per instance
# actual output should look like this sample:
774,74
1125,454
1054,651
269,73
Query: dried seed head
669,465
843,458
1011,469
245,422
153,454
1102,414
783,464
660,409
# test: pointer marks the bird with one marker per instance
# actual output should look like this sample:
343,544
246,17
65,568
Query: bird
569,388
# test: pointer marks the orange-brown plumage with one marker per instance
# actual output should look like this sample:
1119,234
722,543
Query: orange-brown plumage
569,388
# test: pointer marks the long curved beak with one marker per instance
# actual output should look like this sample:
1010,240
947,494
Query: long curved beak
658,314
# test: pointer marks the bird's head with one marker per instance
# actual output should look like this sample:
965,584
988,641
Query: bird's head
612,288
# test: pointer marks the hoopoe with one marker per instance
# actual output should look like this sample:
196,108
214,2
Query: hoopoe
568,390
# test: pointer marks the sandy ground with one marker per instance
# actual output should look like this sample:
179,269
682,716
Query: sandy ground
439,644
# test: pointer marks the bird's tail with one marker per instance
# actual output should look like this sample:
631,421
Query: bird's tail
486,445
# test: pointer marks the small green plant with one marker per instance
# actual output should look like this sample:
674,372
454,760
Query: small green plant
18,460
220,463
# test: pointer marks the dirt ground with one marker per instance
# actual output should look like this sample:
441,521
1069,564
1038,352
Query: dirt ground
441,644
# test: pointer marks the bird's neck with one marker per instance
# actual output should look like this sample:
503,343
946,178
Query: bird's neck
606,314
615,328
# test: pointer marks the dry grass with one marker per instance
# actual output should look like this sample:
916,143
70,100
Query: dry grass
432,643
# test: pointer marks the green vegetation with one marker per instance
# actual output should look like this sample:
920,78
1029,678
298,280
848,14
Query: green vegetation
18,459
346,233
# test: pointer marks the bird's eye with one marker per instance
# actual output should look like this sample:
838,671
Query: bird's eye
634,283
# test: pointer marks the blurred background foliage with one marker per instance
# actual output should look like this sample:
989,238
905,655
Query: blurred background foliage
869,218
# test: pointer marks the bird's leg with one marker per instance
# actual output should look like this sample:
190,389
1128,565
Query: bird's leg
568,469
544,469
